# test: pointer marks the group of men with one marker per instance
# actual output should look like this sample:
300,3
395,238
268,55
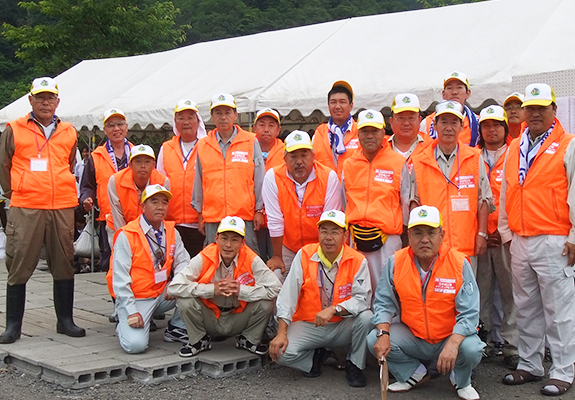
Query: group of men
412,237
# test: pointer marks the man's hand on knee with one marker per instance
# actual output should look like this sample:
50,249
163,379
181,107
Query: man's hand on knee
136,320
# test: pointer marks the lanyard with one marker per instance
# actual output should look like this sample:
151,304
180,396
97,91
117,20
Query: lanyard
47,137
446,177
113,156
186,157
159,254
322,273
425,281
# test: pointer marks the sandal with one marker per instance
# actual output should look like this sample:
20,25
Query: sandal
520,377
561,387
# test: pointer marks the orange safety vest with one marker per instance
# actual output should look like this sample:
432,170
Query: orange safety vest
242,272
433,319
464,135
275,155
539,206
180,209
300,223
322,148
309,302
128,195
434,190
495,180
228,184
142,271
104,168
372,190
54,188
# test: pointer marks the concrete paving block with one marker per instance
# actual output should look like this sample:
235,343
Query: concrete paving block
163,368
3,356
121,355
47,352
86,374
25,343
28,367
225,360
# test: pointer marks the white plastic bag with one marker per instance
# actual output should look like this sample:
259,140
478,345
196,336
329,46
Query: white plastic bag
83,246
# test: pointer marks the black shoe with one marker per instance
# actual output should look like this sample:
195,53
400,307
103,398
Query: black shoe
153,326
354,375
511,361
15,303
318,359
190,350
174,334
64,305
160,316
243,343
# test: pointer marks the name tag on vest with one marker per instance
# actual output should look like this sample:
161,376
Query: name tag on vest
498,175
245,279
444,285
313,211
465,181
240,156
383,175
352,144
552,148
161,276
344,291
39,164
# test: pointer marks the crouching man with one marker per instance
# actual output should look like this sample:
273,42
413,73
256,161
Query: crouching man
226,290
145,252
325,303
440,324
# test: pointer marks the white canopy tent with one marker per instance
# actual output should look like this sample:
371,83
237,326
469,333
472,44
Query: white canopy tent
501,45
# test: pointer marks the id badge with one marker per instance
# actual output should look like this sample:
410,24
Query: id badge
460,203
161,276
39,164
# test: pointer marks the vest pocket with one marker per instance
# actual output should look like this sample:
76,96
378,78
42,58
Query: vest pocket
555,207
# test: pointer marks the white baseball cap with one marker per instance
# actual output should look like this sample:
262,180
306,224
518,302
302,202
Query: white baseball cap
223,99
113,112
370,118
449,107
44,84
460,76
514,96
496,113
297,140
335,216
186,104
232,224
142,150
267,112
424,215
405,102
152,190
538,94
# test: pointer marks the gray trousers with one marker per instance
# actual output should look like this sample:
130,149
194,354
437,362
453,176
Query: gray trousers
304,337
251,240
201,320
407,352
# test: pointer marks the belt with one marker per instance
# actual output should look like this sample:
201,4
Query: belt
224,309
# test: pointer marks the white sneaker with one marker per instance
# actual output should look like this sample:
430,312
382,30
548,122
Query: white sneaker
468,393
413,381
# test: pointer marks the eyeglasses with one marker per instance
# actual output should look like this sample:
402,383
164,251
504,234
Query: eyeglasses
512,107
113,125
50,99
419,235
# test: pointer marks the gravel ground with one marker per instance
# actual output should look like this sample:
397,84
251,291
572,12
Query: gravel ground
271,382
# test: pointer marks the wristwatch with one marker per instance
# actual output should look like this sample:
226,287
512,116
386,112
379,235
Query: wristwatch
338,309
381,332
483,235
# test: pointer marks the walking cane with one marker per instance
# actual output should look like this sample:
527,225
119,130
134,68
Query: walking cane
383,377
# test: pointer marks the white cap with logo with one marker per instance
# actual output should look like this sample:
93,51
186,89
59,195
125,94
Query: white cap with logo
186,104
152,190
44,84
232,224
223,99
405,102
267,112
514,96
460,76
370,118
538,94
335,216
496,113
113,112
142,150
449,107
424,215
297,140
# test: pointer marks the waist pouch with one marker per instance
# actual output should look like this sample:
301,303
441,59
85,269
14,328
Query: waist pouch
367,239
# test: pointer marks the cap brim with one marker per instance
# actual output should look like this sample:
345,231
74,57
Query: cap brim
374,124
299,147
177,110
507,100
402,109
115,115
33,92
494,118
232,105
168,195
242,234
141,154
268,114
426,223
458,115
456,79
333,222
543,103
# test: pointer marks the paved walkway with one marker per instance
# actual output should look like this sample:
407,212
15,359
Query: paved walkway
98,357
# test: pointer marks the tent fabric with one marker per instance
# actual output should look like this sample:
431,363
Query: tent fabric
492,42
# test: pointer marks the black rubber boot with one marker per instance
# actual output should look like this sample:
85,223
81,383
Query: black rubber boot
64,304
15,302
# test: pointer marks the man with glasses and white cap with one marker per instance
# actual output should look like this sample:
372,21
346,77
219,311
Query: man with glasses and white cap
324,302
146,252
37,157
177,160
404,122
336,140
229,174
515,115
226,290
456,88
431,287
107,159
453,178
295,195
537,216
376,187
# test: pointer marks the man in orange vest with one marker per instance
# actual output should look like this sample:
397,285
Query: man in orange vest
226,290
37,157
177,160
453,177
295,194
536,214
105,160
328,280
229,173
145,253
376,187
456,88
267,127
404,121
336,140
440,324
494,266
512,106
